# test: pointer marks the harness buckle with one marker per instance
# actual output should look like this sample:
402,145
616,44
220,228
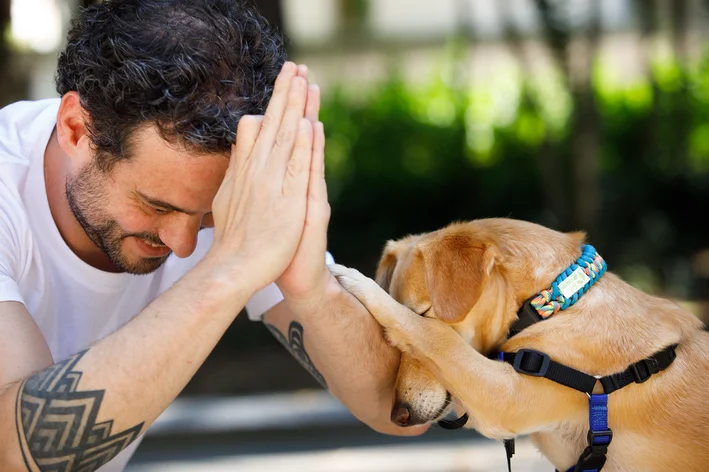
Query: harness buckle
644,369
533,358
592,458
527,315
594,435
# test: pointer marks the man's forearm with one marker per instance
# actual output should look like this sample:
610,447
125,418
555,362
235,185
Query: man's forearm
341,345
83,411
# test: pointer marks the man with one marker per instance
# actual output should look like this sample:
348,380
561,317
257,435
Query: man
109,299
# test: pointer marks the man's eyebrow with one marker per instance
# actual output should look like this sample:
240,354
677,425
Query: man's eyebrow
164,205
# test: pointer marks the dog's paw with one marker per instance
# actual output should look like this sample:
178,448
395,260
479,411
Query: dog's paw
394,317
351,280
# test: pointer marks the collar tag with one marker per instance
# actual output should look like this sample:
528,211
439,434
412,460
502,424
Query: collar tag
574,282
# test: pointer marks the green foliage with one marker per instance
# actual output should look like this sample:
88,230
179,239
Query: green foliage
408,159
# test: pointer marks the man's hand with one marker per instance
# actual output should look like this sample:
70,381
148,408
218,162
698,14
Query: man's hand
260,208
306,275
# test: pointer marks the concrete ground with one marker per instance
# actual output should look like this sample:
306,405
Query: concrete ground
454,456
308,432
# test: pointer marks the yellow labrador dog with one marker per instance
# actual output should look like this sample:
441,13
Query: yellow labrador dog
453,297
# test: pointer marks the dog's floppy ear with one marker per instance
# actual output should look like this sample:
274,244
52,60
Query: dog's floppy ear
387,263
456,270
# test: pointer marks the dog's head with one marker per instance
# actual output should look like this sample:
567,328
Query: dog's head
473,276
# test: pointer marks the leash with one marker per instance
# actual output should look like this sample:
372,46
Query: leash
565,291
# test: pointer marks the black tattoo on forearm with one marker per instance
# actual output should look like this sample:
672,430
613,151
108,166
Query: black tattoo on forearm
59,422
296,345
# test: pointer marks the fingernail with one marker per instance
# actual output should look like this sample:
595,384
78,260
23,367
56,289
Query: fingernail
314,88
303,70
287,66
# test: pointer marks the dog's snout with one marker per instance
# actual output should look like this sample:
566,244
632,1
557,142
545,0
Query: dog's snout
401,414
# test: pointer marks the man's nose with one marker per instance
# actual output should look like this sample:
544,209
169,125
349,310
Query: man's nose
180,234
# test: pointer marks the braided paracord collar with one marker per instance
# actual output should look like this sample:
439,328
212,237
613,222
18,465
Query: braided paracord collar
570,284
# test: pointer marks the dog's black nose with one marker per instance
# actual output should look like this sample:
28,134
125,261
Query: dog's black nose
400,414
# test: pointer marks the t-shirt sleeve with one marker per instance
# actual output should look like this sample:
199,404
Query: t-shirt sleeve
11,260
270,296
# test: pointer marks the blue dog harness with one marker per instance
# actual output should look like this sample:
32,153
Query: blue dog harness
564,292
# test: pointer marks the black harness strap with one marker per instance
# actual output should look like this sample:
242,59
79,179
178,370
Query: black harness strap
640,371
538,364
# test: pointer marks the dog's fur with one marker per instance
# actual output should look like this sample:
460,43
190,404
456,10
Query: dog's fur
469,280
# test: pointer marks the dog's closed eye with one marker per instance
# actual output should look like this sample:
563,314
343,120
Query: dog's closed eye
425,312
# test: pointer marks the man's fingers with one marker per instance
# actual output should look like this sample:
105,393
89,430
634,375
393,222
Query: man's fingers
317,188
289,130
297,175
246,133
312,107
276,107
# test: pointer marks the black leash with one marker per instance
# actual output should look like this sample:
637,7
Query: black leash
510,451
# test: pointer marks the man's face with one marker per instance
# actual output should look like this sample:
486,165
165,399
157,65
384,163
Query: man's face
149,205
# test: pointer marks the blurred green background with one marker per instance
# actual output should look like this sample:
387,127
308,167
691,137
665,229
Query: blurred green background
579,114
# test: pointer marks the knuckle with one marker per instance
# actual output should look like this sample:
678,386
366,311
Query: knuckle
285,136
294,166
250,121
305,136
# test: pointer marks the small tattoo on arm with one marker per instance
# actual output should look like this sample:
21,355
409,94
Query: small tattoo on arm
59,422
296,345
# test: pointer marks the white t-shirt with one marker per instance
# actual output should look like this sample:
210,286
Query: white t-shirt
73,304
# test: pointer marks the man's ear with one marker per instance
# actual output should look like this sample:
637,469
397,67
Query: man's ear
457,267
72,131
387,264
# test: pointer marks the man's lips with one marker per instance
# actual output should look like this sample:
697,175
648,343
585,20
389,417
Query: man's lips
151,250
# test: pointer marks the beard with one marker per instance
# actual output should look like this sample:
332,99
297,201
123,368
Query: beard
89,203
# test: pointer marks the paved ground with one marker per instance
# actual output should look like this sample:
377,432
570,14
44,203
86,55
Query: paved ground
308,432
455,456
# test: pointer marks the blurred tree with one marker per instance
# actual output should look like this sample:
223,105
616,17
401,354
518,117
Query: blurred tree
12,87
577,65
680,116
550,159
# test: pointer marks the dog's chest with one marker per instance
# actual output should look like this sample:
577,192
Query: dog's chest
563,444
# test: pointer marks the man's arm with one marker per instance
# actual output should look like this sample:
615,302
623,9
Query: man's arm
342,346
326,328
81,412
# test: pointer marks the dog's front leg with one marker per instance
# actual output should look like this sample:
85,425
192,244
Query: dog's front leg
400,324
501,402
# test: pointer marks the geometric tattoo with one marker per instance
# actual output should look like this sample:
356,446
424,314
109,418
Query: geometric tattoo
59,422
296,346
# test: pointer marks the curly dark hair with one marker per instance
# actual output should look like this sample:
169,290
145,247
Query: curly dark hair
193,68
